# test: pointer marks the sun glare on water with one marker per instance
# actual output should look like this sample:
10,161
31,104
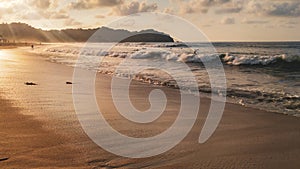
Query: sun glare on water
4,58
4,4
9,3
1,54
7,61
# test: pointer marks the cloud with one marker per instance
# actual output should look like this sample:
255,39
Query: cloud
285,9
62,14
246,21
133,7
207,25
233,6
198,6
89,4
169,11
38,9
41,4
126,23
292,23
228,10
274,8
99,16
5,11
43,14
9,8
29,15
72,22
54,4
80,4
228,20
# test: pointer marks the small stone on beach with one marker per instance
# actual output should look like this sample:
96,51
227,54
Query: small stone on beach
30,83
4,159
69,83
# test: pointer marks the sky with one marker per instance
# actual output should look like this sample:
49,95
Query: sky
219,20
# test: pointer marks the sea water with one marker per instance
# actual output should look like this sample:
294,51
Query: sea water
263,75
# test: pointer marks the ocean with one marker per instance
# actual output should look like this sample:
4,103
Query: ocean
263,75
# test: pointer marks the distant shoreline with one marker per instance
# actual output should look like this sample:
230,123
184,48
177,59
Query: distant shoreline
15,45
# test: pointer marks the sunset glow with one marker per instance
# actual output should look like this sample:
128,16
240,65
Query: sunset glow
220,20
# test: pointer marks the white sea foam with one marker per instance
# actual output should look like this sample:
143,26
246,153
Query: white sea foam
253,86
258,59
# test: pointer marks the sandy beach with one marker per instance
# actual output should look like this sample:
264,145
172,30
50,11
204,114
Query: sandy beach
39,127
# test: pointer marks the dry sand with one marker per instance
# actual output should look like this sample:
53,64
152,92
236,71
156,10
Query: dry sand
39,128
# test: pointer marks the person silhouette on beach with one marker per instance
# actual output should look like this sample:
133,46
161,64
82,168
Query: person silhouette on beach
32,47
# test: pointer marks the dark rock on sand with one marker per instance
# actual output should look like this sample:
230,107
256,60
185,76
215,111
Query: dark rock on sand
183,45
222,55
4,159
30,83
69,83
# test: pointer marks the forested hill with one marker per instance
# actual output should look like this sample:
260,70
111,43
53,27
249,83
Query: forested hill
21,32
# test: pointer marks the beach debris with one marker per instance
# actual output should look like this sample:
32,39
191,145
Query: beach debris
241,102
4,159
30,83
69,83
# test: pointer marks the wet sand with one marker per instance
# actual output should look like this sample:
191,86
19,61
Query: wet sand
39,128
25,143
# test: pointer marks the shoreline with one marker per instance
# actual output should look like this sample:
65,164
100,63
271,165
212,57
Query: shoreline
250,85
245,138
16,45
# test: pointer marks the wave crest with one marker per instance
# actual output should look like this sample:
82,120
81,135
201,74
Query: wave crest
258,60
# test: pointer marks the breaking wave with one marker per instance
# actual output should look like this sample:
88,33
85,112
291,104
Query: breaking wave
254,78
187,56
259,60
